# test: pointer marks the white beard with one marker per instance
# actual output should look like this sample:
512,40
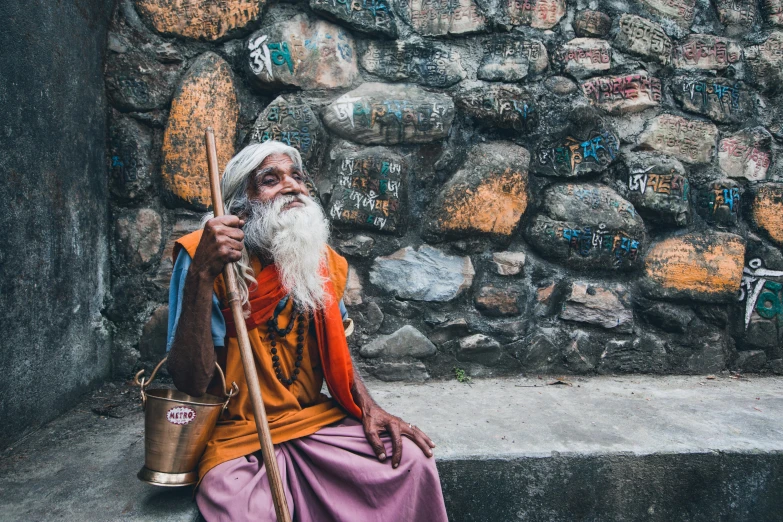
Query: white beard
296,241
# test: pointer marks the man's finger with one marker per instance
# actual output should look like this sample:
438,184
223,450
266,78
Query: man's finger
396,440
375,443
420,440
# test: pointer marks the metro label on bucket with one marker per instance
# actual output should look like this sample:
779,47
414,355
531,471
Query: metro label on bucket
181,415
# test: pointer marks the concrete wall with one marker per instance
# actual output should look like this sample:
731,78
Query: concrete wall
53,245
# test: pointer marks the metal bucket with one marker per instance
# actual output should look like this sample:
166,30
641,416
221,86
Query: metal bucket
177,428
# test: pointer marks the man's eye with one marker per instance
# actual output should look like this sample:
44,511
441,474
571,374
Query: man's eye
269,180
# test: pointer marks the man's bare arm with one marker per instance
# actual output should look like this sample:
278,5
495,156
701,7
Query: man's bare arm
376,420
192,357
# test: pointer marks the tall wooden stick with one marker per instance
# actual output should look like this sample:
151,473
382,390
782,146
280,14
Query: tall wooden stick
267,449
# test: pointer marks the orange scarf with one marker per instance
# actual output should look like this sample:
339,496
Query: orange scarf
332,344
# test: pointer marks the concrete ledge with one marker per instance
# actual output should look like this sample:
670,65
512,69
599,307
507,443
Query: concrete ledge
614,449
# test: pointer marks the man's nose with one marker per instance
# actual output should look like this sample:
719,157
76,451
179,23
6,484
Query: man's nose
290,185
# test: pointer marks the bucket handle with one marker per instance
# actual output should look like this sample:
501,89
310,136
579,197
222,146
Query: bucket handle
144,382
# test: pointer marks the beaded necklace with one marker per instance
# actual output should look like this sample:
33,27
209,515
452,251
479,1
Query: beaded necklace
275,330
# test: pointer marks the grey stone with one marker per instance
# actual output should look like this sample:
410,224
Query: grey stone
668,316
508,263
709,357
301,52
539,353
592,24
426,274
372,114
624,94
585,146
449,331
681,13
561,85
773,12
132,166
607,306
405,342
639,355
374,17
582,353
427,63
480,349
720,99
688,140
776,366
512,60
719,202
138,237
370,189
353,288
499,105
705,52
580,225
746,154
359,245
293,122
642,37
374,317
657,186
487,195
459,17
584,57
539,14
765,62
751,361
182,226
498,302
395,371
152,345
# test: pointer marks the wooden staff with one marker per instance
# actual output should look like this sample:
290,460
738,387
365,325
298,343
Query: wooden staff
267,449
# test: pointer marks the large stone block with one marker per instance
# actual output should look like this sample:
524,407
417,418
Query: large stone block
705,52
405,342
583,57
643,38
374,17
430,64
720,99
480,349
592,24
138,237
428,274
500,105
766,210
589,152
747,154
773,12
154,335
539,14
293,122
737,15
205,98
302,52
605,306
200,19
680,11
439,18
703,266
136,81
622,94
512,59
378,113
691,141
588,227
761,301
658,187
719,202
497,301
130,155
370,189
487,195
766,62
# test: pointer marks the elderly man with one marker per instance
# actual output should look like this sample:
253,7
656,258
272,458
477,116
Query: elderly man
333,452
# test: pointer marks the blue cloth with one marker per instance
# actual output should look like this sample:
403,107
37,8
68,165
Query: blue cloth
177,287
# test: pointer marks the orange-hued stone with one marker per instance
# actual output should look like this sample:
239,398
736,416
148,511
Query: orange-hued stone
200,19
696,266
487,195
767,211
205,98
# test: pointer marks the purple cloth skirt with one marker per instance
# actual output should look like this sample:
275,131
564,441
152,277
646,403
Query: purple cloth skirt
332,475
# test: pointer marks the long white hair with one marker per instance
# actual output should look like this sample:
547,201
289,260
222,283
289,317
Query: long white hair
234,185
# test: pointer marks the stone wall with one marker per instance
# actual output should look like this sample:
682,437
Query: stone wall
521,186
54,251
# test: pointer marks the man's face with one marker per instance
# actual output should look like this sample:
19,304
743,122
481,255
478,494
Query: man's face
277,176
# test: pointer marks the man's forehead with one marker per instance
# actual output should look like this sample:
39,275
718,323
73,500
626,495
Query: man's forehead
277,160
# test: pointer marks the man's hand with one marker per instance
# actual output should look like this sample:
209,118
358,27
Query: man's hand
221,243
376,421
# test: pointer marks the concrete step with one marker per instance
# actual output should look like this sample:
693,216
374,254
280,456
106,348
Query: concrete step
603,448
